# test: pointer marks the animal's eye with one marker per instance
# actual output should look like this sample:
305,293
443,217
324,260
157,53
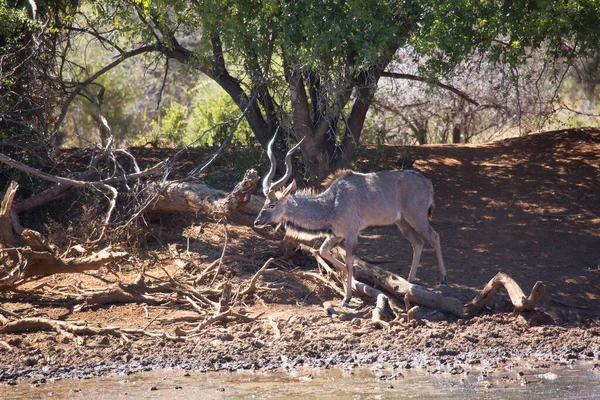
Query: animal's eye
271,205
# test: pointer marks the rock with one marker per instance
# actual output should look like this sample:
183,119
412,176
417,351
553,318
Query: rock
104,341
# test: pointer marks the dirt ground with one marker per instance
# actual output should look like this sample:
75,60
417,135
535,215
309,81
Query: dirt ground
529,207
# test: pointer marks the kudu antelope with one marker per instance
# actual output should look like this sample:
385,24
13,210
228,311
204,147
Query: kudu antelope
352,202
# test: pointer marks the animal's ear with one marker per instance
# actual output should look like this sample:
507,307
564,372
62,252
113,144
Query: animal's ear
290,189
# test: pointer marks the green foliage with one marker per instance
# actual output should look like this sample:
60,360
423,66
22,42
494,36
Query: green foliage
206,121
14,22
121,93
323,35
507,31
332,44
335,39
211,118
168,129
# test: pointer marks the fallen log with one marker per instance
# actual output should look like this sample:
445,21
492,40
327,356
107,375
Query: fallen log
517,297
394,285
400,287
204,199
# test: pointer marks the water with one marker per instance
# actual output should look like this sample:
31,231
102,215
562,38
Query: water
575,382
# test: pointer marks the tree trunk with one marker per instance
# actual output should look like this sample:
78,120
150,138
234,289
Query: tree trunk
456,134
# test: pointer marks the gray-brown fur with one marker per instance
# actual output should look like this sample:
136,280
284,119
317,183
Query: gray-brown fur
339,174
352,202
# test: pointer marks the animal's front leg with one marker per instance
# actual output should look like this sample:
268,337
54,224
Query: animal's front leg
325,252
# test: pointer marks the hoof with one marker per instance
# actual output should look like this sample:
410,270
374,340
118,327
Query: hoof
443,283
345,303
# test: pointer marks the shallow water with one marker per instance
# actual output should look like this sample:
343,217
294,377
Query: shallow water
574,382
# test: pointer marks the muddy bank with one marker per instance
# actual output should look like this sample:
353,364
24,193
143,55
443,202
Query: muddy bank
312,341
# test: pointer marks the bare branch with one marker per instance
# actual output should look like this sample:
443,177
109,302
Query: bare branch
124,56
102,184
163,85
436,82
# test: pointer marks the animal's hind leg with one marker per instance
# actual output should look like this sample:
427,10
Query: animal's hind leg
432,237
417,244
350,250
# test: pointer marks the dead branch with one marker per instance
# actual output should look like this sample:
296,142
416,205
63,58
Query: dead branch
44,263
432,81
39,324
38,259
215,263
252,286
209,321
55,192
119,294
407,316
7,234
195,305
319,277
220,263
381,301
518,298
63,184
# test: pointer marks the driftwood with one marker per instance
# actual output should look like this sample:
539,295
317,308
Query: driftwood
41,261
37,264
518,298
400,287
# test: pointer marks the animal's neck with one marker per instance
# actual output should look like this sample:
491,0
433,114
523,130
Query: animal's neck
310,212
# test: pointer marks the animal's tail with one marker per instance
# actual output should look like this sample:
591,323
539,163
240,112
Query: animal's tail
430,212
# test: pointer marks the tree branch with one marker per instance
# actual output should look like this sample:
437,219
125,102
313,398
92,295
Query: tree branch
78,183
436,82
124,56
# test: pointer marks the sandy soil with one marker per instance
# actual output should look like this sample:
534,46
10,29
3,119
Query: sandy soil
529,207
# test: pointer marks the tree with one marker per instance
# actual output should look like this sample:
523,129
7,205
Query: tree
28,67
509,100
311,69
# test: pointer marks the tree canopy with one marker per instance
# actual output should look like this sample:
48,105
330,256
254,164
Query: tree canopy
311,69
